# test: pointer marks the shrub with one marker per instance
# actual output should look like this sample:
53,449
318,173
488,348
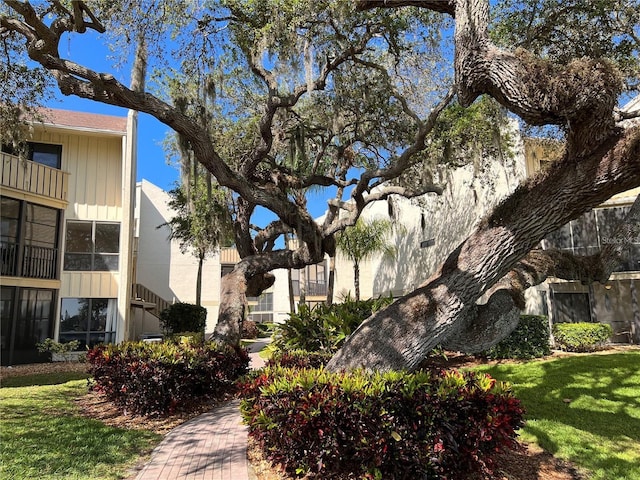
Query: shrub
265,329
299,359
581,337
162,378
249,329
325,327
50,346
530,339
183,317
392,425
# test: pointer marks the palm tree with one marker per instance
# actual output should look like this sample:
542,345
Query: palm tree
363,241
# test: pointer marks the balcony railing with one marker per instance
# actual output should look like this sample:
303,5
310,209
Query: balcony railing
28,261
32,177
314,288
139,291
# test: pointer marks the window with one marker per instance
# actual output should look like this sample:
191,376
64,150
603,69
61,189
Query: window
88,320
225,269
316,280
29,239
27,318
92,246
591,231
262,310
571,307
42,153
45,154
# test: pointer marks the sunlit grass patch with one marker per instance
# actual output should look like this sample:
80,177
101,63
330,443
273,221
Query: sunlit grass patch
43,436
584,408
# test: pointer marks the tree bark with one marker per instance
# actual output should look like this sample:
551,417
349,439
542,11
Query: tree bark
401,335
233,305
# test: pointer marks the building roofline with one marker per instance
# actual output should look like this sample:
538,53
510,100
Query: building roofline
81,121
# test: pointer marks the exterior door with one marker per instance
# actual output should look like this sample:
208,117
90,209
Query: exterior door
27,319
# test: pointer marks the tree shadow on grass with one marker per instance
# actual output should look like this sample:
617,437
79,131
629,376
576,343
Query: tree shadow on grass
586,407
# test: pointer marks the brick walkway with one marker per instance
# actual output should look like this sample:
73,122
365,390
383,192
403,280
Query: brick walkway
212,446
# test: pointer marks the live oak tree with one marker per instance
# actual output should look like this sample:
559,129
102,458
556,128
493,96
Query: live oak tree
497,261
291,95
332,88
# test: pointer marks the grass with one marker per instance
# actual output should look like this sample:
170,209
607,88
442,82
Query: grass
585,409
43,436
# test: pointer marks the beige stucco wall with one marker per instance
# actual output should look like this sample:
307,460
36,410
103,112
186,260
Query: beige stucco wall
161,266
470,194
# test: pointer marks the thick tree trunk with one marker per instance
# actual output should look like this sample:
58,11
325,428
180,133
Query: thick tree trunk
401,335
233,306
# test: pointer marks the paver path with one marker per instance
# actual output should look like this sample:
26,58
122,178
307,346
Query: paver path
212,446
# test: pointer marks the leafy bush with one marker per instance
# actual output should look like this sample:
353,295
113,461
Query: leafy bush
325,327
299,359
49,345
183,317
162,378
249,329
530,339
265,329
392,425
581,337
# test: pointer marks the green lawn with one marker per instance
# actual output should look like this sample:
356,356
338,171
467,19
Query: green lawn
43,436
584,408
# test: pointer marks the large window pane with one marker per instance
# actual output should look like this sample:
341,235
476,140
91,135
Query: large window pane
107,238
88,320
98,314
608,221
6,318
74,314
585,232
78,238
77,262
559,239
105,263
92,246
41,226
10,210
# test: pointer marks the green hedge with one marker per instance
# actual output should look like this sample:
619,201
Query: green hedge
530,339
389,426
581,337
183,317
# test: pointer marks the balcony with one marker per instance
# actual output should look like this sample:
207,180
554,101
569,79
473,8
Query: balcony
28,261
314,289
35,178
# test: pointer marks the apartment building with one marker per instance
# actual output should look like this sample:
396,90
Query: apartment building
66,236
